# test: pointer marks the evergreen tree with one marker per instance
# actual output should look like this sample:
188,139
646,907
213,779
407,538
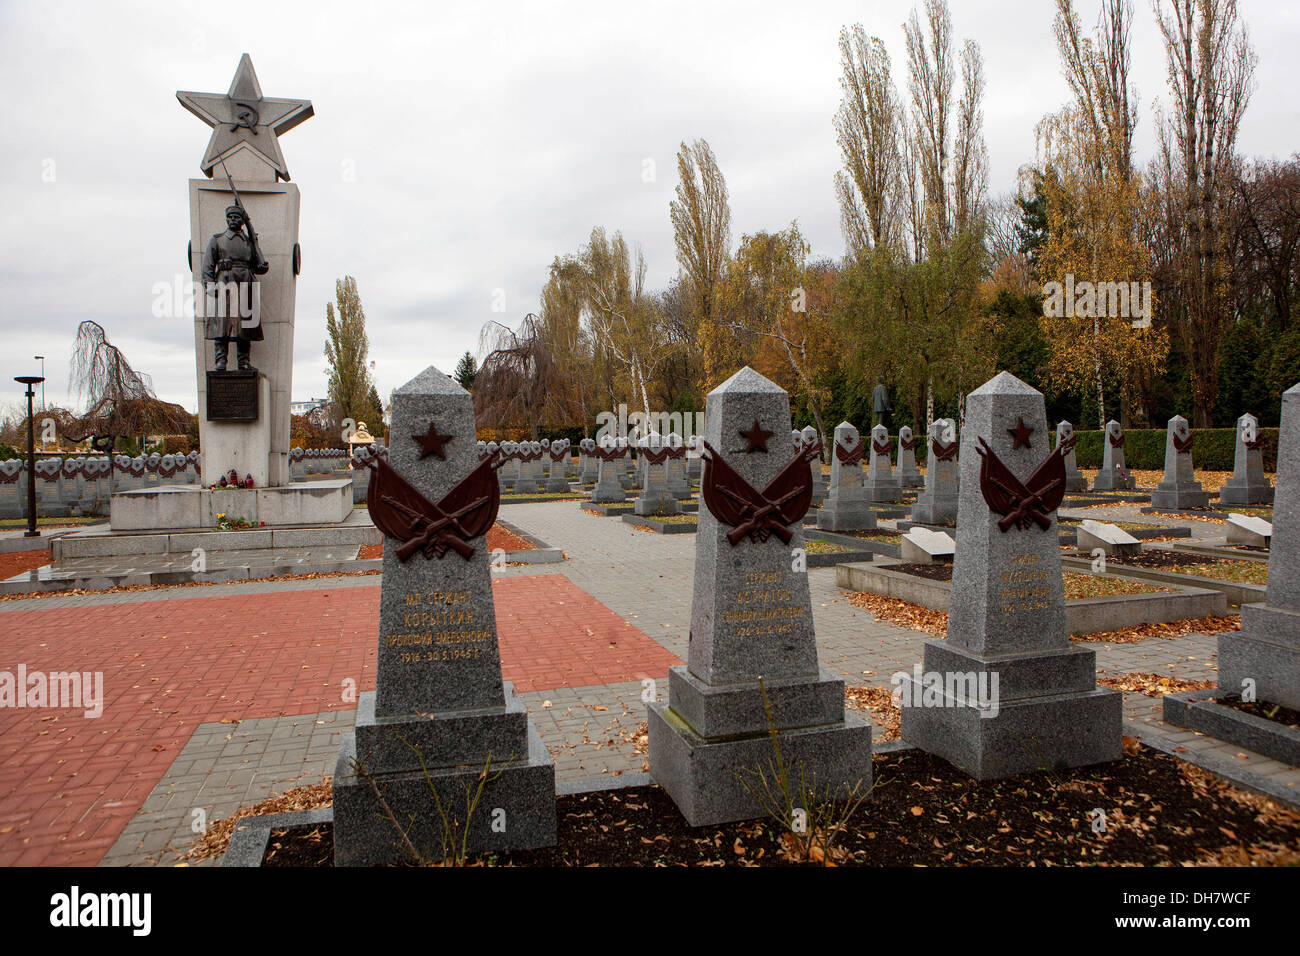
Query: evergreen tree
466,370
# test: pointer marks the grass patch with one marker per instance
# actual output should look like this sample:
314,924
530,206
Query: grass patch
1239,572
1078,586
824,547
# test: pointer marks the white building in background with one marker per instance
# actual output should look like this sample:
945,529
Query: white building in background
307,407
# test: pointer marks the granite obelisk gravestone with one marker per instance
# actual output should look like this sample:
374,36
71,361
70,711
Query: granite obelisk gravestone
1267,649
908,474
1114,474
812,440
881,484
1073,480
1248,484
937,504
439,697
1179,489
846,507
1006,620
751,618
609,484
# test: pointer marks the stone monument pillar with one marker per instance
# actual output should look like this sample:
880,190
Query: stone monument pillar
882,484
846,507
908,474
1010,694
440,714
1248,484
1073,480
937,504
1114,474
244,417
1179,489
751,618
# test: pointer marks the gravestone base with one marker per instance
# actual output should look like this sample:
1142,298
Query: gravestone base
557,484
700,772
1241,493
1050,713
934,509
890,489
1168,496
1113,481
840,515
1076,482
1265,650
659,504
524,790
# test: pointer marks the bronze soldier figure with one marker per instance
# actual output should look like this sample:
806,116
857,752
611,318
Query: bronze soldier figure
230,265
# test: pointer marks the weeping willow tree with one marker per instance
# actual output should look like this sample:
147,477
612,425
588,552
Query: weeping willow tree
120,400
522,383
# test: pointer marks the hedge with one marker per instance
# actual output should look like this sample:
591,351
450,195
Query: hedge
1144,448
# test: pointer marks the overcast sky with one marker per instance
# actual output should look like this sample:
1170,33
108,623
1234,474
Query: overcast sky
456,150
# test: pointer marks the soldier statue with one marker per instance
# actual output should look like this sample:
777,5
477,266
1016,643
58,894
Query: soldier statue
230,265
880,403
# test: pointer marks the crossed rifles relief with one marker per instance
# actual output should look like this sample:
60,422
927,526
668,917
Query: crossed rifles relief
1023,504
404,514
756,514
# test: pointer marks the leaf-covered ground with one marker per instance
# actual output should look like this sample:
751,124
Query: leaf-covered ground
1144,809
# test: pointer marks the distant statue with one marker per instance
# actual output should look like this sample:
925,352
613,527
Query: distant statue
880,401
230,267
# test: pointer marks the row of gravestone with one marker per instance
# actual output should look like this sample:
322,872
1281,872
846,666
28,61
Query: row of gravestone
1005,693
81,486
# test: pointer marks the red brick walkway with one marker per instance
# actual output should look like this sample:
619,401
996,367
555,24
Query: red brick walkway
68,785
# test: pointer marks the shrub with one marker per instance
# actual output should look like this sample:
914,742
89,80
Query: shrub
1144,448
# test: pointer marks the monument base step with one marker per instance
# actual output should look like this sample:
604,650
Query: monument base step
1179,499
1055,732
735,710
711,780
450,738
176,507
516,810
354,528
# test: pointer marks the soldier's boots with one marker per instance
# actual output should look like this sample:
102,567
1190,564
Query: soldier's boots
222,349
242,348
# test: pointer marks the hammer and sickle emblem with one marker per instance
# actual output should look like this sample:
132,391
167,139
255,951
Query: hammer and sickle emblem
245,116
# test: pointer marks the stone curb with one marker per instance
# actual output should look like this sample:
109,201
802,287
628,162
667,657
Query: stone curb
1220,766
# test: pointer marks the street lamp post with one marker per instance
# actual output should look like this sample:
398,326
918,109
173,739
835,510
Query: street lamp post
30,381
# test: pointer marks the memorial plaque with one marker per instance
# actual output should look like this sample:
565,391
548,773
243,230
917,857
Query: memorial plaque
232,396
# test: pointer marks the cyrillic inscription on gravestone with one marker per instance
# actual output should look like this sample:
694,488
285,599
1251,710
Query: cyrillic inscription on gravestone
232,397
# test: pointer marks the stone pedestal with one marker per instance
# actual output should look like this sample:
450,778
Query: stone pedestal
1010,694
846,507
440,715
751,618
1179,489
